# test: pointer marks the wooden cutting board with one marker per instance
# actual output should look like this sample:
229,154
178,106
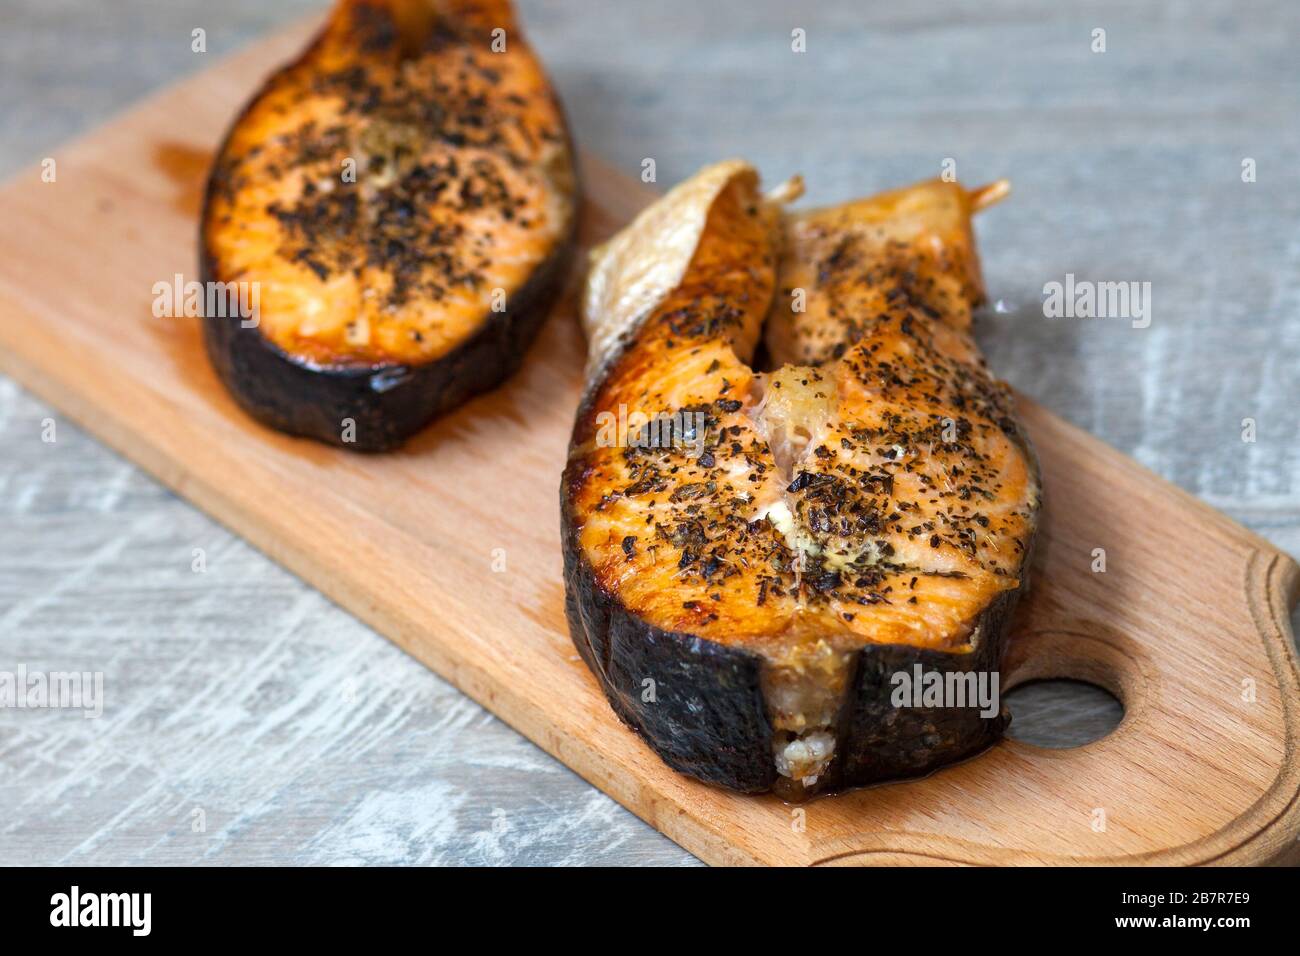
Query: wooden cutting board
1188,625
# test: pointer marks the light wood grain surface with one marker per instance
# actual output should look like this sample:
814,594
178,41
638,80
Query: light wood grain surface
225,688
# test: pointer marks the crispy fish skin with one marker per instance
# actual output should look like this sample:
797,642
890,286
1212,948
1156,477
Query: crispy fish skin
866,507
394,288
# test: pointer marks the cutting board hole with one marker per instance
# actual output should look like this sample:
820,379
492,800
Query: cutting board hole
1061,714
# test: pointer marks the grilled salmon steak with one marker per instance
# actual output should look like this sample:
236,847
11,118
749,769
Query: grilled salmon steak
403,200
758,562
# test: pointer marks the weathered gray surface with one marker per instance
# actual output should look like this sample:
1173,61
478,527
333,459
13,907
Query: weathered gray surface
306,738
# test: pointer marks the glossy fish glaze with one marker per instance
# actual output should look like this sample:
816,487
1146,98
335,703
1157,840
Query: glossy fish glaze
404,197
865,506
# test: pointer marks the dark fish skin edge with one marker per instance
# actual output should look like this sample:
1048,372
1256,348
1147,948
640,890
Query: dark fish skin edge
389,403
709,720
293,398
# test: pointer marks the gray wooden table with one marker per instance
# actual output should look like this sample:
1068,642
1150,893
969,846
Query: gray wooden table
248,720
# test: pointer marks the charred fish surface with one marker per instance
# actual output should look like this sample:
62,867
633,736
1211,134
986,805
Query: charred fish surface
404,197
749,584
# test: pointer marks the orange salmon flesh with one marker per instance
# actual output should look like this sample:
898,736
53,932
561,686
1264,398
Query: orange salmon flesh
864,483
395,185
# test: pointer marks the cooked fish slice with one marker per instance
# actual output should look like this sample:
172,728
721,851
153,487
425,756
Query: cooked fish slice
746,583
403,196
